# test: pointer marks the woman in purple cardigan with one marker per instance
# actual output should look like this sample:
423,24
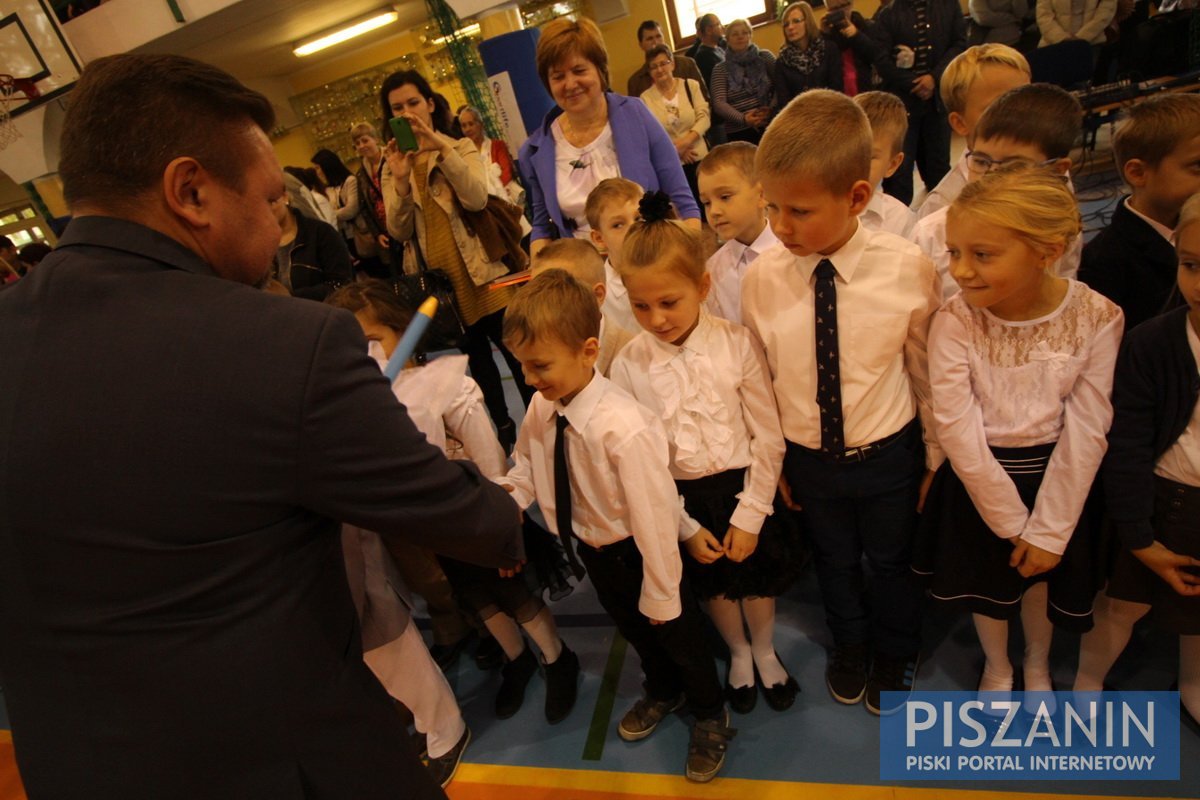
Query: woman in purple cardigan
593,134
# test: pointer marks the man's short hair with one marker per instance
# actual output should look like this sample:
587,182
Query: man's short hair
606,193
1154,127
552,305
822,135
130,115
576,256
886,114
6,243
966,67
735,155
562,38
705,22
647,25
1040,114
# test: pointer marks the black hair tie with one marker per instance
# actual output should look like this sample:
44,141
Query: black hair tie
655,206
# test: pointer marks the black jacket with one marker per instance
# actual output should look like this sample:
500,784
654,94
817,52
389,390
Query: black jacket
790,82
1131,264
866,52
320,260
175,620
1154,397
895,25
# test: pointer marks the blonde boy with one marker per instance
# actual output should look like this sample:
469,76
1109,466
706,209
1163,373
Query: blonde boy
975,78
620,504
1034,124
733,201
843,314
889,123
1157,150
611,208
583,262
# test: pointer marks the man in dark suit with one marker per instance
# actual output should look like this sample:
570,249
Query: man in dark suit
178,451
650,35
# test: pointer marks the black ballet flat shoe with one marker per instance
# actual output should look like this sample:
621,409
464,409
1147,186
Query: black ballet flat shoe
741,699
781,696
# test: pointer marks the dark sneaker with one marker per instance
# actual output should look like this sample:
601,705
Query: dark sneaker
706,751
488,653
562,685
443,768
890,675
516,675
641,720
846,673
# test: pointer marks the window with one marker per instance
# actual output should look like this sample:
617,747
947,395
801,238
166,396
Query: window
23,225
684,13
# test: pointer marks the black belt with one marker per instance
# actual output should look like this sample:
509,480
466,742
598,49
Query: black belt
862,452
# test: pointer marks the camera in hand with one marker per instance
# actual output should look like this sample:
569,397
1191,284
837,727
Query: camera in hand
838,19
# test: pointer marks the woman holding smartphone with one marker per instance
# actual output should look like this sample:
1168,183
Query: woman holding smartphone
433,176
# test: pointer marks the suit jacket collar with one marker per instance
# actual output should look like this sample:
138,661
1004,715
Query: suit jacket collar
134,238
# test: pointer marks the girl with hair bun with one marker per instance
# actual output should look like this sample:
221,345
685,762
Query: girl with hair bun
707,379
1021,366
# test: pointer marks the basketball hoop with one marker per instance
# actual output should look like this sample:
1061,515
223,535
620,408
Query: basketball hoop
9,87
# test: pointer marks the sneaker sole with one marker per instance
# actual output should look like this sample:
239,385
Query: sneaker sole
704,777
846,701
637,736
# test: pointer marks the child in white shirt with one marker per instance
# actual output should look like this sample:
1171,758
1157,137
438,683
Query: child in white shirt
611,208
733,201
889,124
1021,365
707,380
596,463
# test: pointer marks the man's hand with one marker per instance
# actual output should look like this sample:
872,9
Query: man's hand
1029,559
508,573
704,547
739,544
922,87
1174,568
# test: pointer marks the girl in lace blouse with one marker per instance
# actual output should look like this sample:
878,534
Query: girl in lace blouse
707,380
1021,366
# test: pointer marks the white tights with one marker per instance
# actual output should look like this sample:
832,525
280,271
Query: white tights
731,618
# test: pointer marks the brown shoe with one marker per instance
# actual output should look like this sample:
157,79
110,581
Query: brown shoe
706,752
641,720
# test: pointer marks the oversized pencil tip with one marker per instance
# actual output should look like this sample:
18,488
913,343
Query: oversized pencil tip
429,307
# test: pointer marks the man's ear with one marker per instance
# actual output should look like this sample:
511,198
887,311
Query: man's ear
188,191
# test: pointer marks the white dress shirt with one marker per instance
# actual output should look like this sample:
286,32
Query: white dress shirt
577,170
886,292
447,406
728,268
1181,461
621,483
930,235
1019,384
615,308
886,213
714,396
948,188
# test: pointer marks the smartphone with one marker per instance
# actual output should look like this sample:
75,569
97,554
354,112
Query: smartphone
403,133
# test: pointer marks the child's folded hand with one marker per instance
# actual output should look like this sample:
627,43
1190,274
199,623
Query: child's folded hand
704,547
1029,559
785,492
1174,568
739,544
508,573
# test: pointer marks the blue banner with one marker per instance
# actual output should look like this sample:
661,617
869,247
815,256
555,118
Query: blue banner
1041,736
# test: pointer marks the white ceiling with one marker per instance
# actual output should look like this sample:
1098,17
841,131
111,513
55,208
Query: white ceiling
254,38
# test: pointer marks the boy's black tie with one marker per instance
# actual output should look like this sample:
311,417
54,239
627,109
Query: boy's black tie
562,495
829,384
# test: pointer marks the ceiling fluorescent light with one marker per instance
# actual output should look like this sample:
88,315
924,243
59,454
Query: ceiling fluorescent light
348,32
467,32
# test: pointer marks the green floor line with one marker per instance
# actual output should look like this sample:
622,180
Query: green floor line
593,748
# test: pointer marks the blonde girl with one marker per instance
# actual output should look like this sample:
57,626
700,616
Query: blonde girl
707,380
1021,365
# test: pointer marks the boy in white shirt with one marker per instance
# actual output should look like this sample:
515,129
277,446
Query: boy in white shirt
733,201
611,208
970,83
889,125
615,495
1035,124
843,314
583,262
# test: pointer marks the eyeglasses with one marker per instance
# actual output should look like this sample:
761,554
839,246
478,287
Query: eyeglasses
982,164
